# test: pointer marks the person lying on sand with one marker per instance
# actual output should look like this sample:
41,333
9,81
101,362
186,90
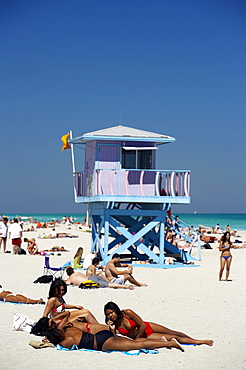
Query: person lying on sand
66,235
208,238
128,323
94,336
76,278
58,235
56,248
8,296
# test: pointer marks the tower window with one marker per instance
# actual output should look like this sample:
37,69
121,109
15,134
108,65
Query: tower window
137,159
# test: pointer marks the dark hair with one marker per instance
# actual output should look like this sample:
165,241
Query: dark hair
5,219
55,287
25,239
16,220
223,238
69,271
113,306
116,255
55,336
41,327
95,261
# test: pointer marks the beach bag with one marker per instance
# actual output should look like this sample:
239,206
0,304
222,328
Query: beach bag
89,284
22,323
21,251
45,279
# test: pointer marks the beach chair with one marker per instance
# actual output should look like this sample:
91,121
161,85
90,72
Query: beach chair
54,271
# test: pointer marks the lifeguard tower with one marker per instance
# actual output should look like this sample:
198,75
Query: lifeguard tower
127,197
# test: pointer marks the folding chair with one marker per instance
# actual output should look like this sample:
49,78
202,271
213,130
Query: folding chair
48,270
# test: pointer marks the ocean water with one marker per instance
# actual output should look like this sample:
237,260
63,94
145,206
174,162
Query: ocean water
235,220
45,217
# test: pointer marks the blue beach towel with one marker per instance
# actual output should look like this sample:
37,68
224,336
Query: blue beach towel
12,302
131,353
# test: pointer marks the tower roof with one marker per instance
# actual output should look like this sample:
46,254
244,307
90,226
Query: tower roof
119,132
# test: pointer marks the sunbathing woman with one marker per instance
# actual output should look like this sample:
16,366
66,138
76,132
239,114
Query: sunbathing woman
98,337
128,323
56,305
56,248
77,258
8,296
226,257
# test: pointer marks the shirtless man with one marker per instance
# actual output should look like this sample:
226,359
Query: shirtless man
3,232
76,278
117,276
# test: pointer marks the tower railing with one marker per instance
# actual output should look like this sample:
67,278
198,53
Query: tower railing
133,182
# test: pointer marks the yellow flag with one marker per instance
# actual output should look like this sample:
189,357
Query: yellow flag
66,144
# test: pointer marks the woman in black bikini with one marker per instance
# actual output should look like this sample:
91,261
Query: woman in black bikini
226,257
99,337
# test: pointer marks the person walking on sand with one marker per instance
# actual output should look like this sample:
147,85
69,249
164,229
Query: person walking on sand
15,233
116,276
4,233
226,257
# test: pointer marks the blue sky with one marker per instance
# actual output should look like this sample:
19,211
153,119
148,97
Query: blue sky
174,67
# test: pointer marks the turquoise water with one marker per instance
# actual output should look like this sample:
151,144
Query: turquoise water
45,217
235,220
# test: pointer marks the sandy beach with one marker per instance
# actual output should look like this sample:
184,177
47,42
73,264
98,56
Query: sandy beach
188,299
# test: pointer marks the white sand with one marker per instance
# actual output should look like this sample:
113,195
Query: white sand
191,300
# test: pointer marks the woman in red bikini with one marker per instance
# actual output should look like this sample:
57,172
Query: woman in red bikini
100,337
56,305
128,323
226,257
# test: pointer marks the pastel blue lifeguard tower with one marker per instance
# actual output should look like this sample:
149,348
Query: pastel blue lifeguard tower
126,196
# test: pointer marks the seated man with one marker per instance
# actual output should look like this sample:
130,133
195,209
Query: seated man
76,278
117,276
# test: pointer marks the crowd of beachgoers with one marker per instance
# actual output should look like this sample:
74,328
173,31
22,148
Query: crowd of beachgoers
72,324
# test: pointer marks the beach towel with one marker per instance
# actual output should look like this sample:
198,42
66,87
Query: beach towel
22,323
67,264
131,353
